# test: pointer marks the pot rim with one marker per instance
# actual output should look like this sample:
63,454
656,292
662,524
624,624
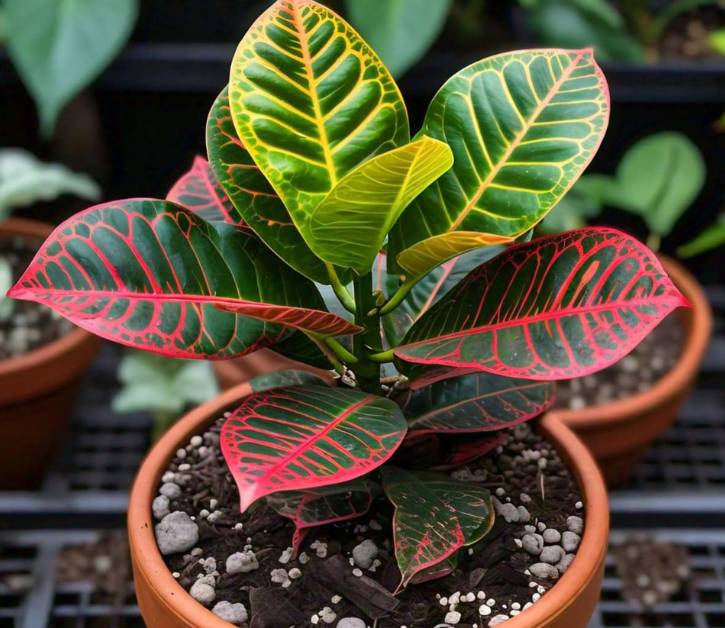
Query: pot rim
587,564
676,379
54,349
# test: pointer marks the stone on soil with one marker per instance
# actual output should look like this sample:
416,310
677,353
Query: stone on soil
364,553
241,562
233,613
351,622
544,570
176,532
202,592
570,541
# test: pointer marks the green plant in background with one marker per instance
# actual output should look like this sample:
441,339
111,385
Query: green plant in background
401,31
6,281
711,238
60,46
658,178
162,386
25,180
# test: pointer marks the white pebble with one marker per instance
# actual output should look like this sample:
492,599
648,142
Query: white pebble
357,572
532,544
195,442
484,610
351,622
551,554
551,536
233,613
578,505
336,599
327,615
170,490
452,617
286,556
364,553
575,524
176,532
279,576
202,592
544,570
570,541
294,573
499,619
160,506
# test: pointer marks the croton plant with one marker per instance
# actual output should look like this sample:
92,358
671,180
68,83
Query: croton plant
448,318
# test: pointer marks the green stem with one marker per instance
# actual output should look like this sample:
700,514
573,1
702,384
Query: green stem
341,351
399,296
654,242
341,292
368,342
327,352
383,357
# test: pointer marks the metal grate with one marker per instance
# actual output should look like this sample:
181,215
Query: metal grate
701,604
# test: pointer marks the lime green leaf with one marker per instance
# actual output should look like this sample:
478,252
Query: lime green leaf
349,227
401,31
59,47
658,178
25,180
716,39
522,126
310,102
710,238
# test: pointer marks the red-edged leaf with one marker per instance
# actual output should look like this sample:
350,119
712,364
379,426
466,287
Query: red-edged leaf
155,276
459,400
444,568
323,505
301,438
434,518
466,452
199,191
554,308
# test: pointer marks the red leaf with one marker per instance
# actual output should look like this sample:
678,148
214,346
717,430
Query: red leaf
469,451
558,307
155,276
199,191
305,437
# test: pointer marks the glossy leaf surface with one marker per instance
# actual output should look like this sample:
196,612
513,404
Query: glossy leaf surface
554,308
155,276
323,505
311,101
287,378
434,517
456,401
468,451
251,194
199,191
307,437
349,227
522,126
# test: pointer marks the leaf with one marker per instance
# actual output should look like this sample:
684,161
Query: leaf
349,227
400,31
301,348
60,47
557,307
459,401
658,178
434,517
25,180
716,40
468,451
522,126
280,379
306,437
153,275
711,238
252,195
199,191
6,281
311,101
581,203
578,23
323,505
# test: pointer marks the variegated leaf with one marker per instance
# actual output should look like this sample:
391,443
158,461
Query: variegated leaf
199,191
554,308
153,275
434,518
311,101
522,126
306,437
349,227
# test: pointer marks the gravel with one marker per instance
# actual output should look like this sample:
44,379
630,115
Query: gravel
233,613
176,532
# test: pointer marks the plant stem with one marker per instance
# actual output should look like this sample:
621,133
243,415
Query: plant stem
327,352
368,342
341,292
341,351
654,242
383,357
398,297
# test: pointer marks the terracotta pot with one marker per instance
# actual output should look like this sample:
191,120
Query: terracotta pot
37,391
234,372
619,433
165,604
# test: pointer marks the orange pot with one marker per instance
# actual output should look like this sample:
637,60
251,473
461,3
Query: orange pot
619,433
234,372
165,604
37,391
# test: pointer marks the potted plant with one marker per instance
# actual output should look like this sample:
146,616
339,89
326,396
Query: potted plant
411,491
42,356
618,412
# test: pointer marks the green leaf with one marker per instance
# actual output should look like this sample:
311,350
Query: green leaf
60,47
349,227
6,281
400,31
710,238
716,39
522,126
311,101
25,180
658,178
293,439
584,23
458,401
582,203
253,197
434,517
291,377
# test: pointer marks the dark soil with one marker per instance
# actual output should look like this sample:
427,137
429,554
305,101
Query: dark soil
526,474
25,326
638,372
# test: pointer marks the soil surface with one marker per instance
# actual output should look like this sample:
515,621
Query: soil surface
24,326
638,372
539,512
